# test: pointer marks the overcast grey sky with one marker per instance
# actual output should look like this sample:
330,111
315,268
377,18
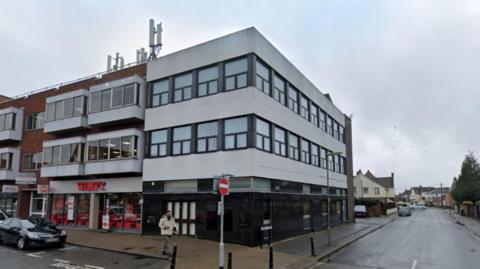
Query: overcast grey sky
408,71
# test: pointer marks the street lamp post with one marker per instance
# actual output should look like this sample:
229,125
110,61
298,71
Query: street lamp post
329,228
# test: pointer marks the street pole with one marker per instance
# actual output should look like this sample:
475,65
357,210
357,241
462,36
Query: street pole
328,204
223,189
221,250
441,195
329,228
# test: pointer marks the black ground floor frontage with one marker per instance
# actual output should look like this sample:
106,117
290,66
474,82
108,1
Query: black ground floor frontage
249,216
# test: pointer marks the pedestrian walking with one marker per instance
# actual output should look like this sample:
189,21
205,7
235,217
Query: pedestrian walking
167,229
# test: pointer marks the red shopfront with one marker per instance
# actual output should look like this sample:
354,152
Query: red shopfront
86,205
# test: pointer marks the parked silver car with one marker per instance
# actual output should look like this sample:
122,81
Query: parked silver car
404,211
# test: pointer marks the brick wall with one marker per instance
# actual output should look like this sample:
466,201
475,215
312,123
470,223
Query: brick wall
32,141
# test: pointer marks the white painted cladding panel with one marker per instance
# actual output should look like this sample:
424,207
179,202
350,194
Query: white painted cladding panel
65,124
75,169
248,162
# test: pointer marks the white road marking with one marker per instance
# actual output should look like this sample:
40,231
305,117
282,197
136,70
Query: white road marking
58,260
36,254
67,248
414,264
66,266
93,267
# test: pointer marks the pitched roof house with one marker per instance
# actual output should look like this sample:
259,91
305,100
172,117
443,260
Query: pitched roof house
368,186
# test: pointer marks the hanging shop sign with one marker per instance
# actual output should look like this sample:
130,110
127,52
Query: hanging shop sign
91,185
42,188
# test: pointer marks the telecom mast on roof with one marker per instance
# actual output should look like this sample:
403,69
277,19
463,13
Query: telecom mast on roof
119,62
155,42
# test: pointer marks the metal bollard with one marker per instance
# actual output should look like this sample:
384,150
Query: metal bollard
229,264
312,246
174,257
270,262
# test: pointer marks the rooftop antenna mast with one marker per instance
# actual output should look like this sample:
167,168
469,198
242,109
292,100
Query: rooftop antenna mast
154,43
119,62
142,55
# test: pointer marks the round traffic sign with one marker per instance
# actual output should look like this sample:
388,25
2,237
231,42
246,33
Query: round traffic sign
223,186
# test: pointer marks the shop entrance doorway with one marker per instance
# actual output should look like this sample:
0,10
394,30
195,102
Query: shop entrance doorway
185,214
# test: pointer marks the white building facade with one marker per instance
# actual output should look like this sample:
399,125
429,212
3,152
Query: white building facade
235,105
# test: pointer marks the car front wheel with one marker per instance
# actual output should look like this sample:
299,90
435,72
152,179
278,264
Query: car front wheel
21,243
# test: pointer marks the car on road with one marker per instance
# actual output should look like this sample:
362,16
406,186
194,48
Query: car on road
404,211
417,206
361,211
25,233
3,216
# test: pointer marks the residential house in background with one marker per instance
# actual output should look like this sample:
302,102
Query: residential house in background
436,197
417,194
404,196
369,187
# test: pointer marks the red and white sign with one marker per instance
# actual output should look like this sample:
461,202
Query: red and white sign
106,222
91,185
223,186
42,188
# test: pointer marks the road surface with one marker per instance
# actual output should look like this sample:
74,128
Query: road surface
427,239
74,257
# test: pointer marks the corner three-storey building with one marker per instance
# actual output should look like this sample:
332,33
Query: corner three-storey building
235,105
121,148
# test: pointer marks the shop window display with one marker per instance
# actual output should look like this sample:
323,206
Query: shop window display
115,210
69,210
57,209
133,211
83,210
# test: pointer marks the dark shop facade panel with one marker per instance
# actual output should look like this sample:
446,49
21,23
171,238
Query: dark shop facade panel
288,214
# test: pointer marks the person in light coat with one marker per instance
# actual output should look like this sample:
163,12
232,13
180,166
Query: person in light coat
167,229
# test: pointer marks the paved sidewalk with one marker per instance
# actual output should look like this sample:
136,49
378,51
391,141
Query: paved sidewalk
196,253
192,253
341,236
471,224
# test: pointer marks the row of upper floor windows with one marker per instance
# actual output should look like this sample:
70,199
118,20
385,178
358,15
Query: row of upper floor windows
103,149
99,150
239,133
33,121
107,99
112,98
7,121
6,160
240,73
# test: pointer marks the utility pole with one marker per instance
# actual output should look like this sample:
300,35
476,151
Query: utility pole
329,228
441,195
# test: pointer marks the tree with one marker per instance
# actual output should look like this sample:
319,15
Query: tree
467,186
